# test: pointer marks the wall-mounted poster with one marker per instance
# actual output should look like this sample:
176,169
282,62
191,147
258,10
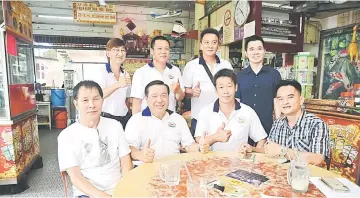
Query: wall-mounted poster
339,65
212,5
177,45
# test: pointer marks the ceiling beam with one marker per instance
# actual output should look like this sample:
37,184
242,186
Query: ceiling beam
69,33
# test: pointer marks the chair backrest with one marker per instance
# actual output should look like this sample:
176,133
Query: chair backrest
63,178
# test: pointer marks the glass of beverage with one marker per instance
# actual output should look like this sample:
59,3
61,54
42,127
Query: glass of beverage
196,188
298,176
170,173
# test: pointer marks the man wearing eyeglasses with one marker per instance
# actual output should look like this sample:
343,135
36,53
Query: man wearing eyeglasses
93,151
157,69
157,132
115,82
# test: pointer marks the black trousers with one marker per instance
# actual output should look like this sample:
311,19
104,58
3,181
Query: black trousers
122,119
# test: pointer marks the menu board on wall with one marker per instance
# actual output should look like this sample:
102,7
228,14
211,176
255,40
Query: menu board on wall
94,13
212,5
18,19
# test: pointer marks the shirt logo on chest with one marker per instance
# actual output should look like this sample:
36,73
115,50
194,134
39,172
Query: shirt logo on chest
241,120
171,76
172,124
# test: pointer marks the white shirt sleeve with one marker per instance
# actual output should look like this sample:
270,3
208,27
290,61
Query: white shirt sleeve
228,65
186,137
137,89
257,131
128,92
188,76
123,145
181,80
66,152
132,132
202,122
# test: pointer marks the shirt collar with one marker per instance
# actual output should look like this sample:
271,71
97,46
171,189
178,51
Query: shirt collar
217,105
147,112
202,60
151,64
108,68
264,68
299,121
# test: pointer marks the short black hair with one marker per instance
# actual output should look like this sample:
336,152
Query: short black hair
160,38
87,84
156,82
253,38
209,31
292,83
226,73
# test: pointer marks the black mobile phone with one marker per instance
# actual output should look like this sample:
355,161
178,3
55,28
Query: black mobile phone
218,187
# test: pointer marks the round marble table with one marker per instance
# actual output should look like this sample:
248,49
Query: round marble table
144,181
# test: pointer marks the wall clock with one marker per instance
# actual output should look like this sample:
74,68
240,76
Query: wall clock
242,12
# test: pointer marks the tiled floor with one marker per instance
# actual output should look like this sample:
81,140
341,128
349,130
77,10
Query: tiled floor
45,182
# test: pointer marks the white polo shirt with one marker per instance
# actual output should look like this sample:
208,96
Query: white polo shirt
96,152
115,103
148,73
165,135
243,123
194,72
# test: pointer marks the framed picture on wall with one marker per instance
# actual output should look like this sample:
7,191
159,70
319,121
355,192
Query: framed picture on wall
177,45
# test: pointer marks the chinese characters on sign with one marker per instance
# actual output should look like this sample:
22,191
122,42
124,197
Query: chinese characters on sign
93,13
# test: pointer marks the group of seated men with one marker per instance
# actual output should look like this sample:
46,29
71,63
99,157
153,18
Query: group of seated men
96,152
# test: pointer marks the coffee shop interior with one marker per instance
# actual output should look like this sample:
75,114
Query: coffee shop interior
48,47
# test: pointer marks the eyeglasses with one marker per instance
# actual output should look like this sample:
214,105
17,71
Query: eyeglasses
117,50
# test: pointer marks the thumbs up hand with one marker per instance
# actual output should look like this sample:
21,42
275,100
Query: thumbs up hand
175,87
196,90
122,82
148,153
222,134
203,146
127,78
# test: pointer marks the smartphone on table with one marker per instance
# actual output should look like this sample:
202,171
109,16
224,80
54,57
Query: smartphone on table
335,184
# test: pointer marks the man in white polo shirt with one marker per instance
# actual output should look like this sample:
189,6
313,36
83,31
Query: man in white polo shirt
156,131
115,82
228,123
198,74
157,69
93,151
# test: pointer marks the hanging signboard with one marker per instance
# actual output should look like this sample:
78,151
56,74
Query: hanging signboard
94,13
18,19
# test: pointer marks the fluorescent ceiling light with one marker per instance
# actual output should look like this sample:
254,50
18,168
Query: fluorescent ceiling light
55,17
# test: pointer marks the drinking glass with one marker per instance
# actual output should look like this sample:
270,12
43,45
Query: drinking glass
170,173
298,176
